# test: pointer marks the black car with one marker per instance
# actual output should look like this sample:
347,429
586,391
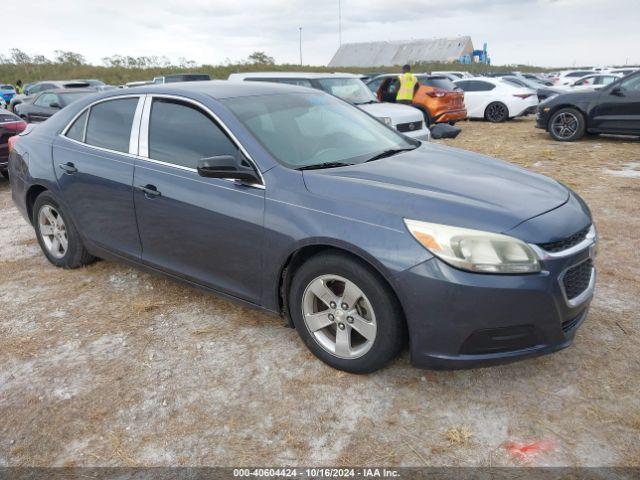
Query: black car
32,89
614,109
47,103
10,125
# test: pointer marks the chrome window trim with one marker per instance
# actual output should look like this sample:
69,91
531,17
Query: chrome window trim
142,152
64,131
135,126
144,134
143,140
590,239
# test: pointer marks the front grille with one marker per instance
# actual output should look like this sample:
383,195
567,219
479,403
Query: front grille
576,279
565,243
409,127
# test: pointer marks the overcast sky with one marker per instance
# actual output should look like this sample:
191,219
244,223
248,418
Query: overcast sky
539,32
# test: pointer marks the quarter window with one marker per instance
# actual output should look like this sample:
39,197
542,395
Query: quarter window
76,132
109,124
182,134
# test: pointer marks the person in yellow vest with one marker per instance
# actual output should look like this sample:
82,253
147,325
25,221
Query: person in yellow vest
19,89
408,86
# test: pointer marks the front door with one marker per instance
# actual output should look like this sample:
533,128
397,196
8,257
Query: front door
206,230
618,110
95,175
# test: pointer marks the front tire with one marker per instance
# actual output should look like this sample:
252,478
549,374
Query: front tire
567,125
496,112
58,237
345,313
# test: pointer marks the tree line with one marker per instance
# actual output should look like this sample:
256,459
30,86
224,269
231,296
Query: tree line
119,69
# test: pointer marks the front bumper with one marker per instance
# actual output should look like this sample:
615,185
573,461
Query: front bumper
542,119
422,134
459,319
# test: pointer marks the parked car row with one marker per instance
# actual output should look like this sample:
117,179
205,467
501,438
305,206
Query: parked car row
350,88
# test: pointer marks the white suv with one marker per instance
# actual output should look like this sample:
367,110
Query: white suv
405,119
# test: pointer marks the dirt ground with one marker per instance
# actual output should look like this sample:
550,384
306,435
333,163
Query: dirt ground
108,366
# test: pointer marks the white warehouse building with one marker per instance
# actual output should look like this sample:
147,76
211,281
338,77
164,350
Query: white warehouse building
388,54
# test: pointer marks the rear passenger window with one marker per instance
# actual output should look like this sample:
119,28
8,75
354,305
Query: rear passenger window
182,134
76,132
109,124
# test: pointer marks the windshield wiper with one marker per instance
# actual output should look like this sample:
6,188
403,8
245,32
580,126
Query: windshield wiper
366,102
389,153
317,166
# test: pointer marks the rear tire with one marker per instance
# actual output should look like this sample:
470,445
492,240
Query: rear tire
57,235
567,125
355,300
496,112
5,173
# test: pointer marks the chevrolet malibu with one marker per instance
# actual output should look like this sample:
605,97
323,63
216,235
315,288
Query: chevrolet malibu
293,201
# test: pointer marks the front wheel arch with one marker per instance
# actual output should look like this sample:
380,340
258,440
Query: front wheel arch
299,256
560,107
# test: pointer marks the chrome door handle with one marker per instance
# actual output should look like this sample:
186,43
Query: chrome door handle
68,167
149,190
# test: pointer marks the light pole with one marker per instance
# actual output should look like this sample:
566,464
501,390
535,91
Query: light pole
300,29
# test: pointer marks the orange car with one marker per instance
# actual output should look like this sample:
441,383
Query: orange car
438,98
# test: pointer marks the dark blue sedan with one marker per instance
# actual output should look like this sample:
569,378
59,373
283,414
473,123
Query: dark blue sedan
295,202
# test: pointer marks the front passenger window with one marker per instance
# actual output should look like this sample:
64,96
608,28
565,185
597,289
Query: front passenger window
182,134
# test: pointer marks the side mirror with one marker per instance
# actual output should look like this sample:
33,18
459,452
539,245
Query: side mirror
54,105
617,91
227,166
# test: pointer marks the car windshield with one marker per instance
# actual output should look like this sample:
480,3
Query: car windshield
68,98
303,130
6,87
353,90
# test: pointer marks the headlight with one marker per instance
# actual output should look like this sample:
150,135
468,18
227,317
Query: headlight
386,120
475,250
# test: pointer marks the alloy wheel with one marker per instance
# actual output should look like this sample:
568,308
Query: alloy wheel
496,112
53,231
339,316
565,125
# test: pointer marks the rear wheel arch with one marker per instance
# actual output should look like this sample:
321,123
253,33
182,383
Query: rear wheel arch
33,193
299,256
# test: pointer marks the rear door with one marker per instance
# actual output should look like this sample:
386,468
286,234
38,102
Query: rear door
207,230
618,109
94,167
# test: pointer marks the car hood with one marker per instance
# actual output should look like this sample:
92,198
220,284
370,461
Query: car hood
397,112
443,185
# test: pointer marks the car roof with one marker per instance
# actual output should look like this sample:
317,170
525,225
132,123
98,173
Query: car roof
303,75
69,90
216,89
